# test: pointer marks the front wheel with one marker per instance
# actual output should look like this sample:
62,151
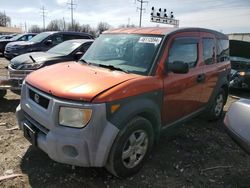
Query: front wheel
216,109
131,147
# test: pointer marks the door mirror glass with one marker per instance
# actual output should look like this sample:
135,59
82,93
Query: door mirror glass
78,55
48,42
178,67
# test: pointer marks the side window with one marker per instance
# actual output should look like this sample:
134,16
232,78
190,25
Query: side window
56,39
68,37
222,50
85,47
23,38
185,50
208,51
29,37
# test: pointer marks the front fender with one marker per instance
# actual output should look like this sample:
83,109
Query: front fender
146,105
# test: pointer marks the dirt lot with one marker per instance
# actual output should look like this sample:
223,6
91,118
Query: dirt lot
182,159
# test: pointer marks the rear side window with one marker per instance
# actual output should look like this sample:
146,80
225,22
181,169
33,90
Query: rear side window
29,37
56,39
222,50
185,50
208,51
70,37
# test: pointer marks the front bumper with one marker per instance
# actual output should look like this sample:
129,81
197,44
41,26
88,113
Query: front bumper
88,146
14,79
10,55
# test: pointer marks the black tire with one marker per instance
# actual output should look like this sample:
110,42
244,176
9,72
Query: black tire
2,93
216,108
119,167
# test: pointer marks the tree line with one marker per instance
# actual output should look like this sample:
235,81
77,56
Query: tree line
4,20
61,25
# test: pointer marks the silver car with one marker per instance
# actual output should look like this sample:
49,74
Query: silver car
237,123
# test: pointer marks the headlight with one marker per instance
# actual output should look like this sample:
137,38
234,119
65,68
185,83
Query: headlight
242,73
74,117
30,66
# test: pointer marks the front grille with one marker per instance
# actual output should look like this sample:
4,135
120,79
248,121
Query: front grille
14,66
39,99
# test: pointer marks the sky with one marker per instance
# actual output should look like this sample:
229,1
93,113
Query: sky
227,16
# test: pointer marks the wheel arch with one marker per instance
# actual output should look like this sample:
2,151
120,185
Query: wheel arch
143,107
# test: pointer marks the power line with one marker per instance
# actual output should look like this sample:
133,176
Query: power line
141,9
43,12
72,6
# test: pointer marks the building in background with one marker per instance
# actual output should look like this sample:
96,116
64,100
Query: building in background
240,36
10,30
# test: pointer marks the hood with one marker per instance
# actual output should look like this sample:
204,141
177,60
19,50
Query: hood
20,43
239,63
76,81
5,40
39,57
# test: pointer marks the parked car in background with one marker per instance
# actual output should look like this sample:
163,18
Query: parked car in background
19,37
71,50
3,37
42,42
109,109
240,73
237,123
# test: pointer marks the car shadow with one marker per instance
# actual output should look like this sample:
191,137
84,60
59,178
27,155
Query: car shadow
177,161
44,172
241,93
8,105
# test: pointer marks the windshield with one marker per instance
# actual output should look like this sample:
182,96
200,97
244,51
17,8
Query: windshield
131,53
40,37
16,37
65,48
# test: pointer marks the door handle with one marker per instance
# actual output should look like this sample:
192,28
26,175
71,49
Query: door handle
201,78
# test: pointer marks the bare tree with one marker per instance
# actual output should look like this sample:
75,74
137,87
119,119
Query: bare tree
75,27
88,29
127,26
102,26
56,25
35,29
4,20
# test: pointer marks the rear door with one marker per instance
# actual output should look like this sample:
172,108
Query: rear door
182,91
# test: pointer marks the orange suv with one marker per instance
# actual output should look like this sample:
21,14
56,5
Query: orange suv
109,108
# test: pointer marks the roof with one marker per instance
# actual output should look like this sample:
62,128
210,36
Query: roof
163,31
80,40
70,33
143,30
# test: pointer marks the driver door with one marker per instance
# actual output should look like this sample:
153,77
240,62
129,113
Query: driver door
182,92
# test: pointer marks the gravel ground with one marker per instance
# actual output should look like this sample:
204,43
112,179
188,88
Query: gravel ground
198,154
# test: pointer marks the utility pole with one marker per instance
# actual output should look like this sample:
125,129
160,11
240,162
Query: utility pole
5,19
43,12
72,4
64,24
141,9
25,26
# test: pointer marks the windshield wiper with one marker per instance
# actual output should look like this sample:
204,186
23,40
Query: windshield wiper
84,61
111,67
34,61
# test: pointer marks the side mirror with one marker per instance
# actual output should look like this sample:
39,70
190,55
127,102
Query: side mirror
78,55
178,67
48,42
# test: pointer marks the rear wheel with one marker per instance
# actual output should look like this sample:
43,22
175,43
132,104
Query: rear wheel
2,93
131,147
216,109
